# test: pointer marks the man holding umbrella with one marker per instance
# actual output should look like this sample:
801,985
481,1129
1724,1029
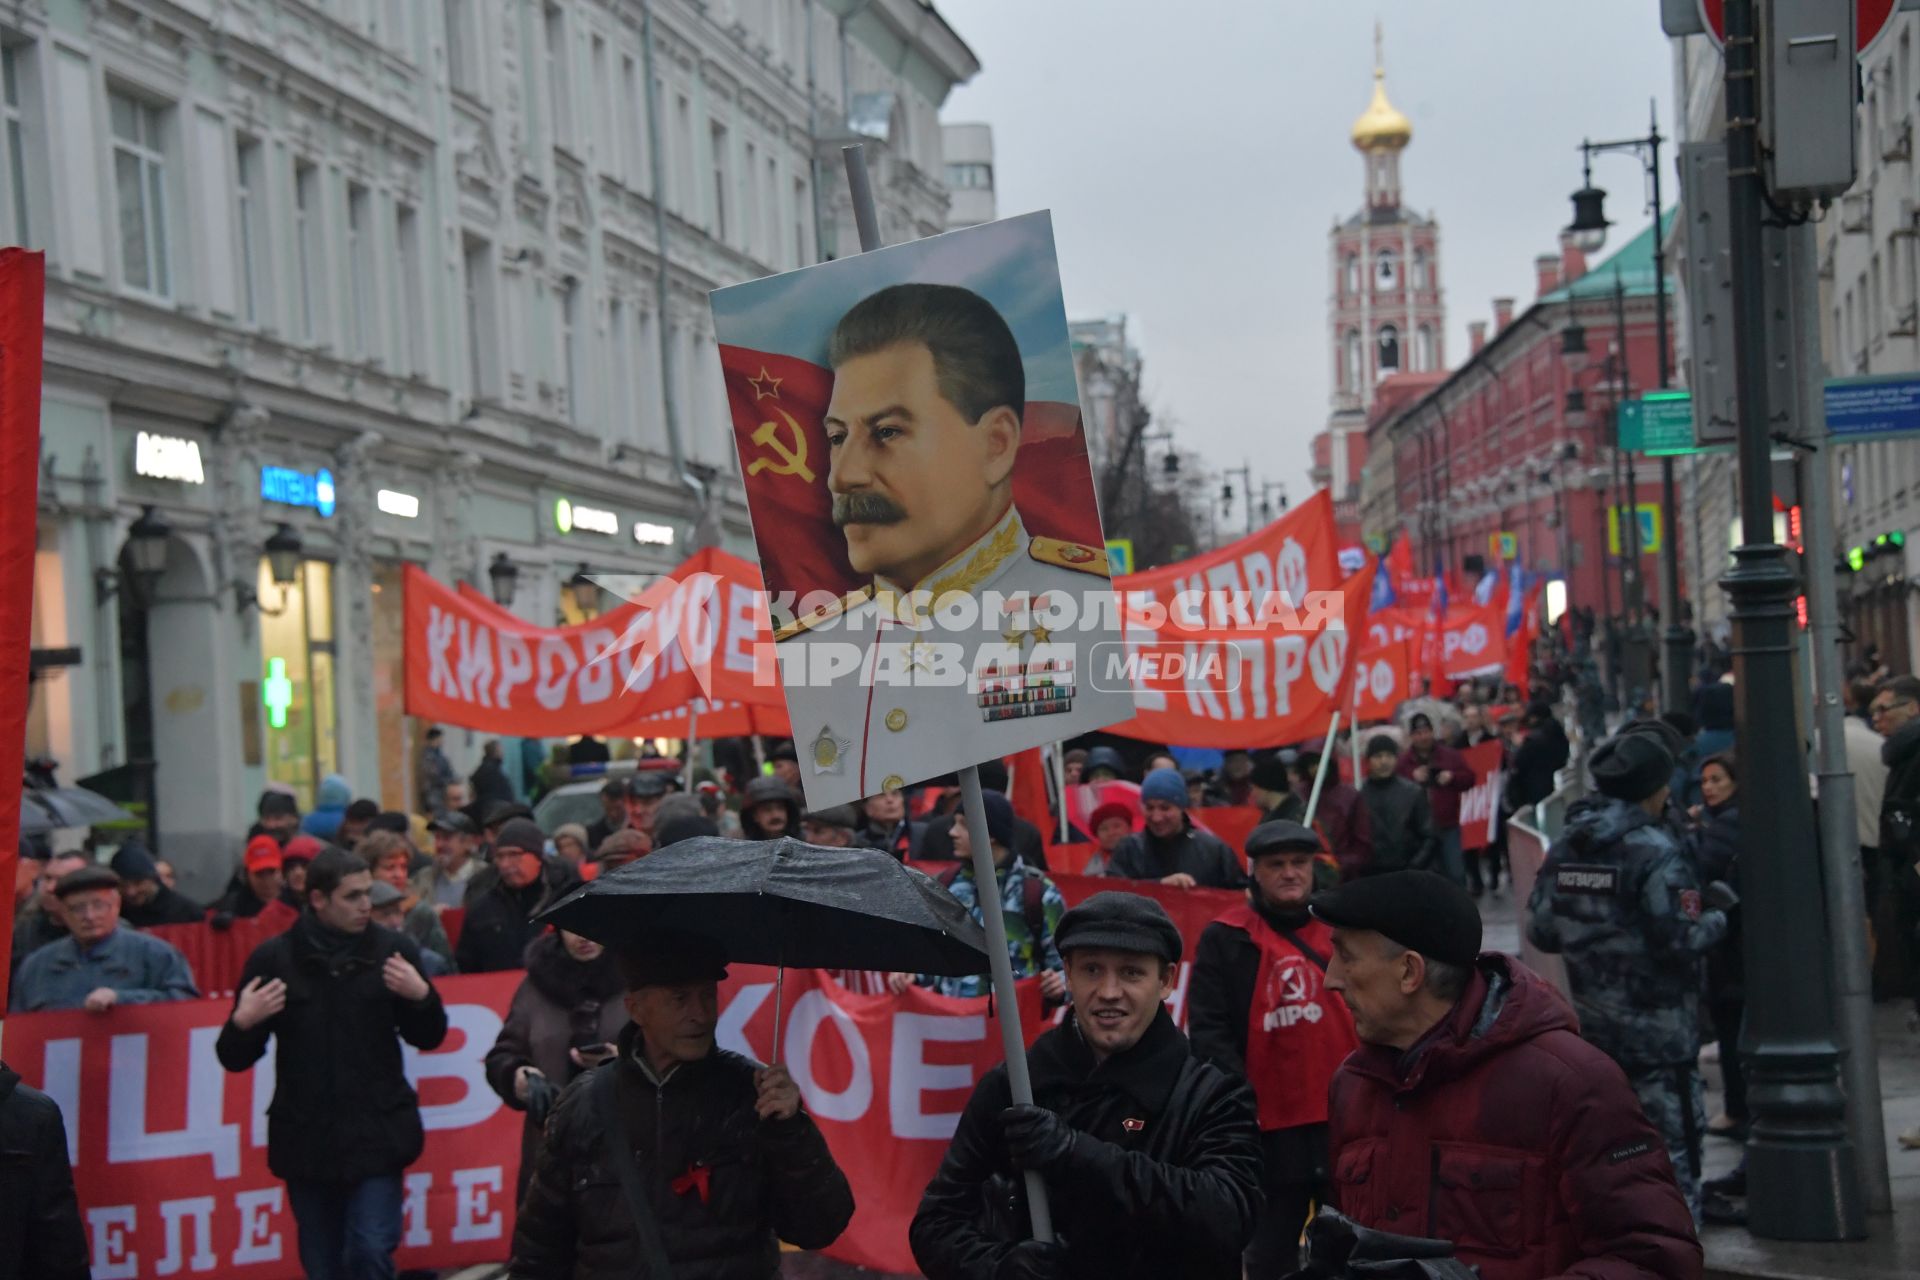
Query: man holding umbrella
1151,1156
677,1154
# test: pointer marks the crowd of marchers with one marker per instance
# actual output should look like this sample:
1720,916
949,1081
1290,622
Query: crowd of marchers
1349,1045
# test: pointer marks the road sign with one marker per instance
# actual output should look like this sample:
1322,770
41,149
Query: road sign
1649,529
1119,556
1871,19
1658,424
1873,408
1502,545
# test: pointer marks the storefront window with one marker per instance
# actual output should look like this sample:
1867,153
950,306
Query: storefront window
297,678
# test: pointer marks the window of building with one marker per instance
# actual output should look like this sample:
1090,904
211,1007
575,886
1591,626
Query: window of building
308,247
1351,274
750,206
633,153
251,197
1389,358
1354,374
685,198
297,678
463,49
482,337
801,257
360,271
606,107
559,88
1877,299
140,185
770,210
717,137
410,291
1422,270
971,175
572,411
1386,270
13,137
1424,359
619,383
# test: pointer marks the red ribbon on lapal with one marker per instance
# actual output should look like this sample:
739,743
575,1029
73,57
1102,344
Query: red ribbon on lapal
694,1179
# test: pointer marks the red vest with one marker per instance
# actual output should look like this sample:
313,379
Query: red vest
1298,1032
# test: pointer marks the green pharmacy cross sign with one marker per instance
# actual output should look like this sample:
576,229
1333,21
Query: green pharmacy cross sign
277,692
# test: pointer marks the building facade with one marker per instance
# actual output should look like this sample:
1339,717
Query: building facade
969,151
389,283
1386,313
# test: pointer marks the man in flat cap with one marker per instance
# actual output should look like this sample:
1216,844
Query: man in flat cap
99,964
1474,1112
676,1156
1151,1156
1258,1007
1619,899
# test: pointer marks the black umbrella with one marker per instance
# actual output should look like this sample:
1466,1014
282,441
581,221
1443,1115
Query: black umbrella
44,809
782,902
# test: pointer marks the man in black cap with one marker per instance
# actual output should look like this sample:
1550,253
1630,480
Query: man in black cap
1151,1156
831,827
769,809
1258,1006
645,792
99,966
521,881
144,901
1474,1112
278,815
1270,788
677,1154
613,813
1618,897
446,883
1399,819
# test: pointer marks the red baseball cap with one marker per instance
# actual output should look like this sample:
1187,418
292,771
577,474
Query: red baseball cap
263,852
1111,809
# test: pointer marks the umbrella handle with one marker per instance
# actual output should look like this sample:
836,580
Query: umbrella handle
779,998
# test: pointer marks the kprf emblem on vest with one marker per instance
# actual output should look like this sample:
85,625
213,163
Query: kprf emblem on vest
1296,982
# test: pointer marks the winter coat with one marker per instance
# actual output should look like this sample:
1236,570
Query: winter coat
1714,847
903,840
32,930
342,1109
499,922
1541,754
1900,803
1200,854
491,785
562,1004
1442,801
1505,1133
1400,822
1619,899
1163,1182
138,967
329,809
721,1182
168,906
1342,823
40,1233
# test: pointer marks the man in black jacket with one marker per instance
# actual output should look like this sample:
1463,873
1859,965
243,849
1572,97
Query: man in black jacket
344,1123
502,899
1397,812
1541,754
144,901
1151,1156
40,1233
1171,849
677,1154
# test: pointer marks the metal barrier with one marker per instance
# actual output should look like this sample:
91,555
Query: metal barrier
1528,835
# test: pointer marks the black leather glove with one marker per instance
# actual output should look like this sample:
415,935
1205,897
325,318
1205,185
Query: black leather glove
1036,1137
1032,1260
541,1095
1720,895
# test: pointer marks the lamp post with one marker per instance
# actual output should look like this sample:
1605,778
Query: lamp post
503,578
1588,232
1246,486
145,560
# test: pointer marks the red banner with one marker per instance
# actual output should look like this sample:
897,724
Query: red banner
699,633
1473,637
1382,680
1480,806
22,289
169,1150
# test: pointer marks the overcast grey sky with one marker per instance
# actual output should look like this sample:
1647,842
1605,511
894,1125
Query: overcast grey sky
1195,153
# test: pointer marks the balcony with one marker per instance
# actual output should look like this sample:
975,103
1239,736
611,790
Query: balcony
1856,213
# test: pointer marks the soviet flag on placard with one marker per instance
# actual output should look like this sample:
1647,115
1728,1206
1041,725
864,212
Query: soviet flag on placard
779,404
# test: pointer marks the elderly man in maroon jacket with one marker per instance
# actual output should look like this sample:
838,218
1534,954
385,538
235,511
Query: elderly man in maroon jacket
1445,774
1474,1112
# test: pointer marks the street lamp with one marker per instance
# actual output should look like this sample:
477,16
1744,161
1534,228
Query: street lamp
284,550
1587,233
503,576
145,557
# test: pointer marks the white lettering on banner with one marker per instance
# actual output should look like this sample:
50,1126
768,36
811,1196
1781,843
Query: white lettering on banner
516,668
476,662
556,664
113,1258
167,458
439,636
172,1213
477,1026
414,1211
595,684
259,1242
61,1071
1468,640
1327,658
473,1190
730,1030
1289,660
1202,700
1135,633
204,1132
1177,1002
737,654
912,1076
809,1012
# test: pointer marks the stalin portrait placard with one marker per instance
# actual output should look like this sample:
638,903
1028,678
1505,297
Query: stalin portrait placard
917,475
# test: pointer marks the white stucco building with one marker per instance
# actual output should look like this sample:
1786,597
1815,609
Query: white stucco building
399,276
969,150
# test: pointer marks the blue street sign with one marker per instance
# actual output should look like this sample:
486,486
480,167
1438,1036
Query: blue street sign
298,488
1873,408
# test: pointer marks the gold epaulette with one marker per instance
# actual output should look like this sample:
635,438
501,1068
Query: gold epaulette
823,613
1070,555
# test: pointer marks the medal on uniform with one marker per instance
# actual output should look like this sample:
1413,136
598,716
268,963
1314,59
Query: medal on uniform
829,753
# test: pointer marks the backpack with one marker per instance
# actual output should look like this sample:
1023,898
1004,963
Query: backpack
1032,899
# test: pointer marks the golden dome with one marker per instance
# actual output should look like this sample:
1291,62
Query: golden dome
1381,127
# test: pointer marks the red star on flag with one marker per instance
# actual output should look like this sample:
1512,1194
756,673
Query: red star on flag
765,385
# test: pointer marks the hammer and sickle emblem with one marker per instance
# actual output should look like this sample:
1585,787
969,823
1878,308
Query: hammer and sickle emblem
792,450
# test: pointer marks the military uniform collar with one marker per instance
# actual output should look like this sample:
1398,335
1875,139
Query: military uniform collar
975,563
